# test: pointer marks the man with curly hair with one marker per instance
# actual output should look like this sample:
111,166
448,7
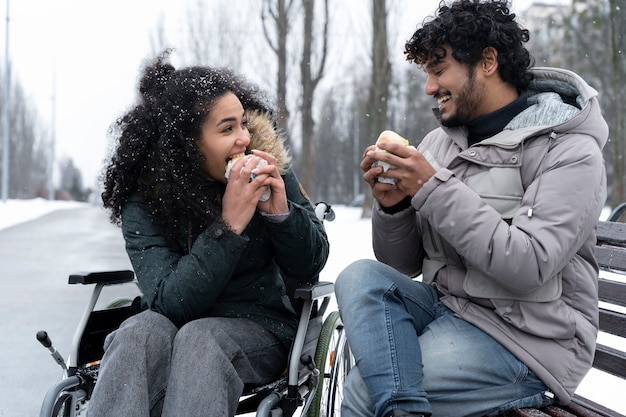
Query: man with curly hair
495,212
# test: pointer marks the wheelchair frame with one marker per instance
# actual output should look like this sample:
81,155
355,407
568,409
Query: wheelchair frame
318,362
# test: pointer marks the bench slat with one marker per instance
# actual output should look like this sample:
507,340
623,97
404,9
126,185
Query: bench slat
610,360
613,292
558,412
611,258
528,412
610,249
613,322
586,408
572,410
611,233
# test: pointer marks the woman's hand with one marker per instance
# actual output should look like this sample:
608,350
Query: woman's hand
270,177
246,184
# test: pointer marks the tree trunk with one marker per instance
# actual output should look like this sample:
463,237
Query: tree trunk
310,79
280,20
381,79
618,63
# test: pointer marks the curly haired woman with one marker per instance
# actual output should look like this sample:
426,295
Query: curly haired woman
209,252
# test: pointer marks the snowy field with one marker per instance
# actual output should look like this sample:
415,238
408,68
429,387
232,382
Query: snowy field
349,237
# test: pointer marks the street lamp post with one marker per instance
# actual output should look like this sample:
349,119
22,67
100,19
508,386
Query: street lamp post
52,137
6,97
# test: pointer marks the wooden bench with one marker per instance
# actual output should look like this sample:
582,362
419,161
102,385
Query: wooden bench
611,256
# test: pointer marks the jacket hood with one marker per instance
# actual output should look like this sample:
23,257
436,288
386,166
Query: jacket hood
563,102
264,137
559,101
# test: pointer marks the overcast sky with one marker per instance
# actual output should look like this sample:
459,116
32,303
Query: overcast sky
87,54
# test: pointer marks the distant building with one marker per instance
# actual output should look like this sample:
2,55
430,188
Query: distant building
541,16
545,21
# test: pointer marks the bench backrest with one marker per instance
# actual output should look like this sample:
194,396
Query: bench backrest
611,255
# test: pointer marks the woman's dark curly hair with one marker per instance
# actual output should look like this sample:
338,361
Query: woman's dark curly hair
468,27
156,154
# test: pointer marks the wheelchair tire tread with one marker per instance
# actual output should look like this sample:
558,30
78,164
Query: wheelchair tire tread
331,325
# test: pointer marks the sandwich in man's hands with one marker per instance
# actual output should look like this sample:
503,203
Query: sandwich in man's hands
391,137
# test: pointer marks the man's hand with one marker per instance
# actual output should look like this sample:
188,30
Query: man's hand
411,172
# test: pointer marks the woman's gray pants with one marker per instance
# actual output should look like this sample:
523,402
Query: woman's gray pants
151,368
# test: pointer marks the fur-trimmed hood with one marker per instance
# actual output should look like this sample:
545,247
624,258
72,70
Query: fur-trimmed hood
264,137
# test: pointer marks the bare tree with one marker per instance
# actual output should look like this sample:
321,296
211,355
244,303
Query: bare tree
381,69
275,16
71,180
335,162
381,79
199,32
28,169
591,45
617,46
410,109
587,37
310,77
158,41
217,36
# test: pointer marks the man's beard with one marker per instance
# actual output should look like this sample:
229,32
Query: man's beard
467,101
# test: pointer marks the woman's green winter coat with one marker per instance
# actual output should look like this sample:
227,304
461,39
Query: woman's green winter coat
215,272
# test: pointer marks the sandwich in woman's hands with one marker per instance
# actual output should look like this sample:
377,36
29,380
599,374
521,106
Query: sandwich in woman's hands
231,162
261,163
390,137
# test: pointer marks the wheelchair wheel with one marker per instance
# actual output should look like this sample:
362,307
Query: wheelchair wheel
68,405
62,406
334,360
119,302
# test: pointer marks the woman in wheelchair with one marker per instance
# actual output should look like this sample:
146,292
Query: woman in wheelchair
208,251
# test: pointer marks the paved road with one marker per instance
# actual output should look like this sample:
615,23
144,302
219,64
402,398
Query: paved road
35,260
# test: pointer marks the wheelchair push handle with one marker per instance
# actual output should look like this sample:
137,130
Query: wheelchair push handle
44,339
324,211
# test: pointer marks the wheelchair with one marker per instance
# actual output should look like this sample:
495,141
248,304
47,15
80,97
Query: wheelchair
318,361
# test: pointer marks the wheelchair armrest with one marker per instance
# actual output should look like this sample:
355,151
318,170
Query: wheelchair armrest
314,291
106,277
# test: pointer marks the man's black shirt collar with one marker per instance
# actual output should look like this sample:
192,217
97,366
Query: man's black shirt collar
490,124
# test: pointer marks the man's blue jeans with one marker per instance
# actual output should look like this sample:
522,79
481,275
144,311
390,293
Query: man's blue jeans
413,353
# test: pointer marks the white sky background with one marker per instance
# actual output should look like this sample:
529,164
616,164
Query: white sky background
87,54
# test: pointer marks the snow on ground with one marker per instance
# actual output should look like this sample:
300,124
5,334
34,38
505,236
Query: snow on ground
13,212
350,239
